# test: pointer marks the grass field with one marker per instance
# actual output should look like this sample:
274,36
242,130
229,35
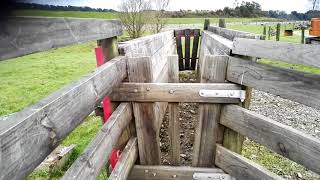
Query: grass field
25,80
113,15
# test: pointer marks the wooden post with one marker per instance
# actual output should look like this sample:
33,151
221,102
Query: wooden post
264,32
222,23
269,33
174,126
209,132
187,49
206,24
278,32
302,34
146,114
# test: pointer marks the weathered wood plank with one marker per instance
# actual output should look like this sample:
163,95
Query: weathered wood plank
187,49
27,137
24,35
91,161
178,34
173,114
208,131
171,92
147,117
215,44
195,48
305,54
167,172
242,168
232,34
297,86
127,159
282,139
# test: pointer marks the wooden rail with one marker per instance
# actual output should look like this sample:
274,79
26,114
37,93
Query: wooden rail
34,34
29,136
232,34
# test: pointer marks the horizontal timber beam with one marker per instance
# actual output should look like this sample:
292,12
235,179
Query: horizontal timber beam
171,92
284,140
232,34
241,167
297,86
24,35
216,44
168,172
89,164
304,54
29,136
127,159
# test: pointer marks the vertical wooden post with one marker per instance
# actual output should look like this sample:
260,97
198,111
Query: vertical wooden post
264,32
206,24
222,23
278,32
146,114
187,49
109,47
209,132
269,33
302,35
173,108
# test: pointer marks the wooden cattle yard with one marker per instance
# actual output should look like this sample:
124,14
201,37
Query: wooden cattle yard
141,77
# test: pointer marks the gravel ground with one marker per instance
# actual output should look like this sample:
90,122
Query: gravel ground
293,114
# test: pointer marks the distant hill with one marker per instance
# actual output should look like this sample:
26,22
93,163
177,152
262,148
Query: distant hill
21,5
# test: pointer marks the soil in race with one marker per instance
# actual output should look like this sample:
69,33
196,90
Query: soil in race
188,118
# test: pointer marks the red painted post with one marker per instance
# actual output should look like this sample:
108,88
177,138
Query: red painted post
107,110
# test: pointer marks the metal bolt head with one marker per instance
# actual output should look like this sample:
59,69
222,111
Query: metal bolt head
171,91
174,176
135,90
154,174
148,89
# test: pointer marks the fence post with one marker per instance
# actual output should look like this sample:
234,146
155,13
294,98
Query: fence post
302,34
269,33
208,131
264,32
146,114
278,32
222,23
173,108
206,24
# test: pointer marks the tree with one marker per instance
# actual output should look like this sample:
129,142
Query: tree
159,18
315,4
134,16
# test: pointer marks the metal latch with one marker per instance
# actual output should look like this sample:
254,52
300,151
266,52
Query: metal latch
241,94
211,176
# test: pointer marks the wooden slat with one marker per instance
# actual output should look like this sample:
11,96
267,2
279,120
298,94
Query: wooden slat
297,86
127,159
89,164
171,92
27,137
187,49
148,116
178,34
195,48
282,139
208,131
167,172
216,44
24,35
232,34
292,53
173,114
241,167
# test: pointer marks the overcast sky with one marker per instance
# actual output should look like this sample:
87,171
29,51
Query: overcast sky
286,5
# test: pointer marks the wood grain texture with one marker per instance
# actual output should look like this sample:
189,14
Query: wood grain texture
157,47
242,168
305,54
24,35
195,48
171,92
173,114
297,86
148,116
27,137
177,35
282,139
126,162
215,44
208,131
232,34
89,164
168,172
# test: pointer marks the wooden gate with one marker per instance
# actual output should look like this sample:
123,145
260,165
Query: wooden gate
185,62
